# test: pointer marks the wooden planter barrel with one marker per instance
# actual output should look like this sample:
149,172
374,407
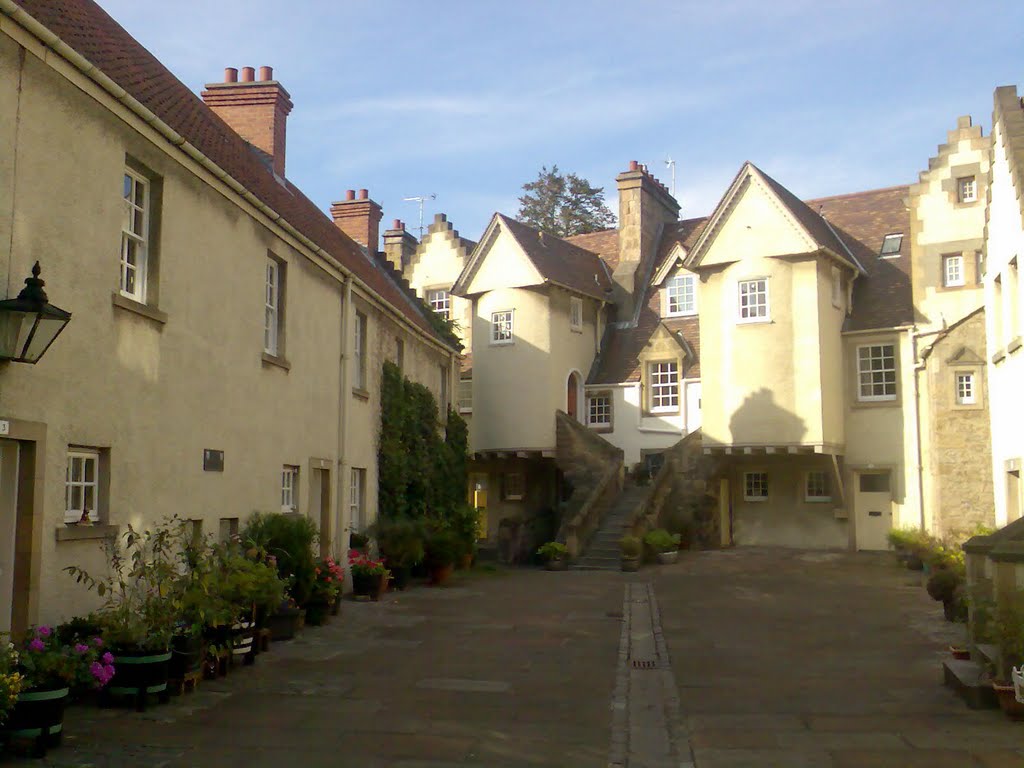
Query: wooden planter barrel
186,657
38,715
369,586
242,634
138,674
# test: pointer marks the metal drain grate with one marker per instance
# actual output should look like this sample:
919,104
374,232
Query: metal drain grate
644,664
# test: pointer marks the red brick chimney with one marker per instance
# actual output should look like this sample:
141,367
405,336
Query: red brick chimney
359,218
255,109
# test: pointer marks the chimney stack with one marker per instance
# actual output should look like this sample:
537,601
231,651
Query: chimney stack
645,206
256,110
359,218
399,246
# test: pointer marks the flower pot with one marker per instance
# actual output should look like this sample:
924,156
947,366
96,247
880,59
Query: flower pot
284,623
668,558
630,563
38,714
400,576
369,585
440,574
187,653
960,652
318,612
139,673
466,561
557,564
1012,708
242,634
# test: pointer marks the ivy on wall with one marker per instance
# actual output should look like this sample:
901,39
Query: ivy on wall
421,467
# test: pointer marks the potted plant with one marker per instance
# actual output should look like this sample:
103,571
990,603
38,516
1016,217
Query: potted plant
47,669
289,540
326,586
369,576
631,547
946,586
442,550
555,556
463,522
139,615
400,542
665,545
1008,628
10,678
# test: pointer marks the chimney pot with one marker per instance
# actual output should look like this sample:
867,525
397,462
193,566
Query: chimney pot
230,75
397,224
633,164
350,194
266,73
248,74
364,194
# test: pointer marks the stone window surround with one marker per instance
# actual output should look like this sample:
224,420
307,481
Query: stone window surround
951,185
977,371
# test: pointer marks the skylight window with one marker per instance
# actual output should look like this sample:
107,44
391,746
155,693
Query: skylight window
891,246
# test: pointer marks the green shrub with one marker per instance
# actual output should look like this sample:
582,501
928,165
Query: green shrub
661,540
942,584
553,550
1009,629
289,540
400,541
631,546
442,548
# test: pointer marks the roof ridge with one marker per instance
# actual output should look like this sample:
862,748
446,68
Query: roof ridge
847,195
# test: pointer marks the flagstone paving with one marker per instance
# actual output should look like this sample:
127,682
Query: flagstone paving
749,657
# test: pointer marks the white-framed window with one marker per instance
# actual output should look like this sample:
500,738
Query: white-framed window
837,287
817,486
891,245
681,295
753,300
953,270
465,395
599,410
966,189
441,302
514,486
501,327
576,313
755,486
876,372
359,350
664,385
81,485
135,235
357,499
965,392
272,305
289,488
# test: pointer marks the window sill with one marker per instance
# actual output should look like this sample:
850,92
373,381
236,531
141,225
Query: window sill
755,321
501,343
659,414
78,532
757,500
465,410
138,308
894,402
602,428
361,393
998,357
668,315
576,330
276,360
1014,345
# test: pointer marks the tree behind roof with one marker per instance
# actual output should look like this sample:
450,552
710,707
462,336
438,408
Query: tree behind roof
564,205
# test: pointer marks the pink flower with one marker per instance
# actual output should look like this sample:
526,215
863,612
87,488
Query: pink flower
98,642
108,658
37,645
43,631
80,648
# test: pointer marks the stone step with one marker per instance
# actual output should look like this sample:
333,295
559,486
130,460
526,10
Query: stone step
970,680
602,562
582,567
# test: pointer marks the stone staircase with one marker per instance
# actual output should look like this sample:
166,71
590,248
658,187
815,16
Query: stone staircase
603,552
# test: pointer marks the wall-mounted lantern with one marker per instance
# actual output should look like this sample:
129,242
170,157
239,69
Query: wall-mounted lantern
29,323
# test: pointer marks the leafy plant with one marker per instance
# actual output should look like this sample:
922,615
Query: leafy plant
942,584
1009,630
139,611
10,678
661,540
289,540
400,541
363,567
553,550
45,662
442,548
631,546
329,578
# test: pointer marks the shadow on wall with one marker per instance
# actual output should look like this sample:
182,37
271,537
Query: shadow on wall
760,421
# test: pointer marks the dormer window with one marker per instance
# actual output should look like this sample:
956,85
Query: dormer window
681,296
891,246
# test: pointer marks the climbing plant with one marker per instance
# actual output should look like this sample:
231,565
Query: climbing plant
421,467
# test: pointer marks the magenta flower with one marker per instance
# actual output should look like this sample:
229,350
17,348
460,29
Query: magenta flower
36,645
43,631
98,642
108,658
80,648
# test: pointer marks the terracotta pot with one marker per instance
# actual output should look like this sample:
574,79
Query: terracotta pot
960,653
1012,708
439,574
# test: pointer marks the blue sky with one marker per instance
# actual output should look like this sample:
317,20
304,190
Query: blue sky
469,98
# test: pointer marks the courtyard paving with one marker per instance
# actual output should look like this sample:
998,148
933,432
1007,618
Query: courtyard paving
748,657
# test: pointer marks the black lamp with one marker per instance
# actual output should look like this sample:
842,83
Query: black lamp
29,323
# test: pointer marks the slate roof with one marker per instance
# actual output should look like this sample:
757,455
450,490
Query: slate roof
605,243
93,34
560,261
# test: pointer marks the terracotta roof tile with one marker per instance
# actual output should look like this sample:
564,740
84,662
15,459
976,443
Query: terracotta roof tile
604,243
90,31
562,262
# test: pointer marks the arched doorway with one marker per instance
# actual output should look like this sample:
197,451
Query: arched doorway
572,389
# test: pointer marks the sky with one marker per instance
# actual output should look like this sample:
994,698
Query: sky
468,99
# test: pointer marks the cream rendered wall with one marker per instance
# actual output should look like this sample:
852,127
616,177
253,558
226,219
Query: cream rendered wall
1005,240
570,350
506,266
883,435
438,264
513,400
156,395
833,384
633,431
